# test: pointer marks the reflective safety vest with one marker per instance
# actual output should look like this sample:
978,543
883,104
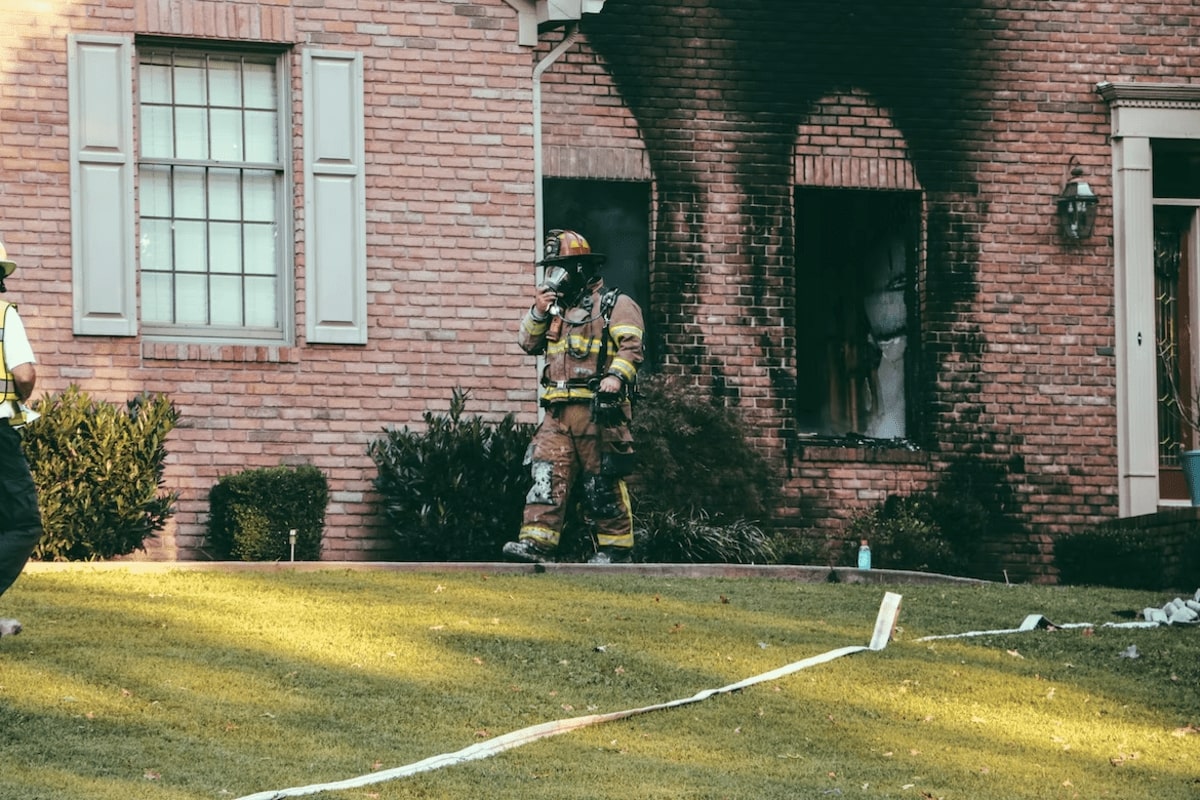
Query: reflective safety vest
10,383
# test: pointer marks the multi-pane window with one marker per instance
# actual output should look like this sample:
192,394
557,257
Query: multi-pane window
210,191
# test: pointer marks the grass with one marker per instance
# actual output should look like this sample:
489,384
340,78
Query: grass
191,685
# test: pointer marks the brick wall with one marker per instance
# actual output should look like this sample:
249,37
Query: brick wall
727,105
980,106
450,239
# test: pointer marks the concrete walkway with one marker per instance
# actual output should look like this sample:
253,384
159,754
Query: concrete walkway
800,574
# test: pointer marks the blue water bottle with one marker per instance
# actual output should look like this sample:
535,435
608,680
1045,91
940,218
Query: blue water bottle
864,555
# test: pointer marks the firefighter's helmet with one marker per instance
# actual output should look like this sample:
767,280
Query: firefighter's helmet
564,245
6,266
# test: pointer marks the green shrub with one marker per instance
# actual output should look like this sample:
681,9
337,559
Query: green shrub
925,531
701,492
1126,558
800,547
252,512
694,455
99,472
454,491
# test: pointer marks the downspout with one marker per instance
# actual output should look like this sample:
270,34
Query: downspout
538,201
539,211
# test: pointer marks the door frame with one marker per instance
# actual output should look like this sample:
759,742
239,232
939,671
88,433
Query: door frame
1141,112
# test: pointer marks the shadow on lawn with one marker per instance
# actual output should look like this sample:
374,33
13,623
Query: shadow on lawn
190,684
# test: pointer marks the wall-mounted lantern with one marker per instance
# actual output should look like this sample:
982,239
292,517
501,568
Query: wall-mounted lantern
1077,206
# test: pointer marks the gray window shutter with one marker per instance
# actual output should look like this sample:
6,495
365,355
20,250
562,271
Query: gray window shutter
103,259
335,230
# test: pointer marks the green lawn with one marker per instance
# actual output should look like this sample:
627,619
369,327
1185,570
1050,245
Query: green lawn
190,685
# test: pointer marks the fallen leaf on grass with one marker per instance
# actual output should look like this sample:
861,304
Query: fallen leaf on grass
1014,654
1186,730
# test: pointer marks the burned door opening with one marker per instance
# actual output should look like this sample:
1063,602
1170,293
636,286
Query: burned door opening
856,265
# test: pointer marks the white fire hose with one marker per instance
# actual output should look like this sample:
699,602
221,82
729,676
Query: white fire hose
885,623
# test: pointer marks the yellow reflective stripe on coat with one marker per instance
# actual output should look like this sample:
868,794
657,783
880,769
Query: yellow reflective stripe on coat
623,368
556,394
620,332
535,327
10,383
575,344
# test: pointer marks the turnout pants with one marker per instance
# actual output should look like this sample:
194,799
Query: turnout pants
20,521
568,448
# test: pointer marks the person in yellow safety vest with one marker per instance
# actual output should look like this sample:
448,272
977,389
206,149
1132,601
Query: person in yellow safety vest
20,521
591,340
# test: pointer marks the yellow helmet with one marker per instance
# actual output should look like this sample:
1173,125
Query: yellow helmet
6,266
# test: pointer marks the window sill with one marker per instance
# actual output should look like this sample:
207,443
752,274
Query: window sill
860,451
241,353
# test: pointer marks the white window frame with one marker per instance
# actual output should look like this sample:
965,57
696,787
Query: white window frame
103,224
283,268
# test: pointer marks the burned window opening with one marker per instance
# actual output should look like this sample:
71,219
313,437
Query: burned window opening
856,265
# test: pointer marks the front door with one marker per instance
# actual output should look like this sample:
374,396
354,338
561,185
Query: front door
1177,311
1172,284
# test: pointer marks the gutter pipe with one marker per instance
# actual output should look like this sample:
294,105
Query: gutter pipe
538,200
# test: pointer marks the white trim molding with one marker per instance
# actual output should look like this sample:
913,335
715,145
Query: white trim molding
533,13
1141,113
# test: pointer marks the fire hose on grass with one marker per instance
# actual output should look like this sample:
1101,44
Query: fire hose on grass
885,623
1178,611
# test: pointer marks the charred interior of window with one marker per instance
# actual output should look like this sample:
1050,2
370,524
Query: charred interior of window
856,266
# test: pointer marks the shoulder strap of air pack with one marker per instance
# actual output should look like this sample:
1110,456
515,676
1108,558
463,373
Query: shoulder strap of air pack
607,301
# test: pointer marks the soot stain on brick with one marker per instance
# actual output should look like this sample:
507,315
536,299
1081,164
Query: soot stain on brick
719,89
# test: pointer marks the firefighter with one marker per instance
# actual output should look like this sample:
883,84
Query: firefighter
591,339
20,521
